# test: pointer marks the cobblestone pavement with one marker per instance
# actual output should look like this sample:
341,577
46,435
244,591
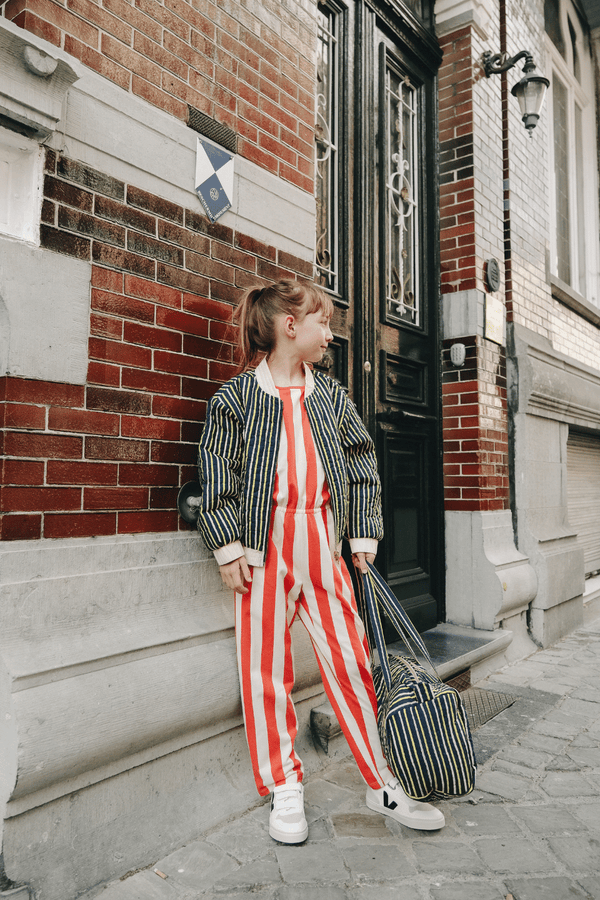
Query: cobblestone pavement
531,830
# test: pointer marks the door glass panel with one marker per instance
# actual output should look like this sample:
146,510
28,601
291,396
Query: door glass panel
402,206
326,136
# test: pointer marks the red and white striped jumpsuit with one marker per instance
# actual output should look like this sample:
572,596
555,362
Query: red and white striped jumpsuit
302,577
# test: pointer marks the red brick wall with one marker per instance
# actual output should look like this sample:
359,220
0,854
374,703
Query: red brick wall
229,63
107,457
474,397
457,192
475,428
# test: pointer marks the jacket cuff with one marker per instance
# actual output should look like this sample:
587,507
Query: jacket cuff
228,553
364,545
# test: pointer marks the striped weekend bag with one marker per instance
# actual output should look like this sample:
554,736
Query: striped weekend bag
423,727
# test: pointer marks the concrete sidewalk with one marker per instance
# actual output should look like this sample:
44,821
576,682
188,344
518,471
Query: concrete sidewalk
530,830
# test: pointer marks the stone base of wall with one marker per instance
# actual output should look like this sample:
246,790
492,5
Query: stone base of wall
549,625
520,647
488,581
119,698
548,393
129,821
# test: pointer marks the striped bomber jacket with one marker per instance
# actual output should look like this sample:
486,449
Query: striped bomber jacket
237,463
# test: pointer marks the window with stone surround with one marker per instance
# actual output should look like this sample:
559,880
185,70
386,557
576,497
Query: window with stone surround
33,88
572,150
20,185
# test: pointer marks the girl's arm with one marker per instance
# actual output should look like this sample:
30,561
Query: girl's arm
219,469
365,521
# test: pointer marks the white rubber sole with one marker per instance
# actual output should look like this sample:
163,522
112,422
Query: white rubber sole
284,837
420,821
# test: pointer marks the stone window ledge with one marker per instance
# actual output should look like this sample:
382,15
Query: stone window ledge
565,294
34,79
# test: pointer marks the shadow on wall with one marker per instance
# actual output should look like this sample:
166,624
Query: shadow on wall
4,337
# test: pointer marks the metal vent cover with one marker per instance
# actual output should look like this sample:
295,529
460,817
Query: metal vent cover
212,129
481,706
461,681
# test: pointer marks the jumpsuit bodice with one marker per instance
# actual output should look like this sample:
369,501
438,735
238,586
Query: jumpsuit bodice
300,483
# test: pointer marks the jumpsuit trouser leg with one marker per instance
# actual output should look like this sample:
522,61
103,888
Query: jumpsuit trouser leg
302,578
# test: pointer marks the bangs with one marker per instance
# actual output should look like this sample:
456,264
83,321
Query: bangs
316,300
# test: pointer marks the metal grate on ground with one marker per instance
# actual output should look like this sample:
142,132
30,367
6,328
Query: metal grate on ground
461,681
481,706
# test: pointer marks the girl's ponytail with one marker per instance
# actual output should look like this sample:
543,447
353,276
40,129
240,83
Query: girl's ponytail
246,317
260,306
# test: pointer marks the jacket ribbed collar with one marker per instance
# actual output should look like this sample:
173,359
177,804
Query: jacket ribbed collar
265,381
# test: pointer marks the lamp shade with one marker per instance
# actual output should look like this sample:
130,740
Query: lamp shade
530,92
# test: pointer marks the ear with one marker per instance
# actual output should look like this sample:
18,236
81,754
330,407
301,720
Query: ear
289,326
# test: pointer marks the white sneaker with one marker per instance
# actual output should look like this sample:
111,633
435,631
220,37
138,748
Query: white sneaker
287,822
392,801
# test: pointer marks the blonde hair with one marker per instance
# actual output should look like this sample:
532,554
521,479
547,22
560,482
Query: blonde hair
260,306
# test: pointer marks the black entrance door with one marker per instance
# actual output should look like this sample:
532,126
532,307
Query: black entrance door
377,252
398,250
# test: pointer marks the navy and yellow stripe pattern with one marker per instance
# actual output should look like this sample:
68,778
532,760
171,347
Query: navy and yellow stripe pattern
424,732
237,460
348,457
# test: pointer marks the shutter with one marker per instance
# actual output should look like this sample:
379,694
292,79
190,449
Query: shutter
583,495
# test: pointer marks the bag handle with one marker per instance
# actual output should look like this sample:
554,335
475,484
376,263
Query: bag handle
368,595
378,593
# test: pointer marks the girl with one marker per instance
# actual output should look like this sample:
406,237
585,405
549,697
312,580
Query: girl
287,470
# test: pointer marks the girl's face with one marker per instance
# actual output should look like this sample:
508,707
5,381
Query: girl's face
313,335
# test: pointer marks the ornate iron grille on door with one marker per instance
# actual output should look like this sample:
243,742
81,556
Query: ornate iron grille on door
402,200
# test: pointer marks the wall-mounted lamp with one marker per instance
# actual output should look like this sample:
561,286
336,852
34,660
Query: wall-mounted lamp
458,353
529,91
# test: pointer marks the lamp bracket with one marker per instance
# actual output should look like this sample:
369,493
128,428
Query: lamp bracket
494,64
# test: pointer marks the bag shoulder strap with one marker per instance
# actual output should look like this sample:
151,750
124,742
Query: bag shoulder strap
369,603
378,594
